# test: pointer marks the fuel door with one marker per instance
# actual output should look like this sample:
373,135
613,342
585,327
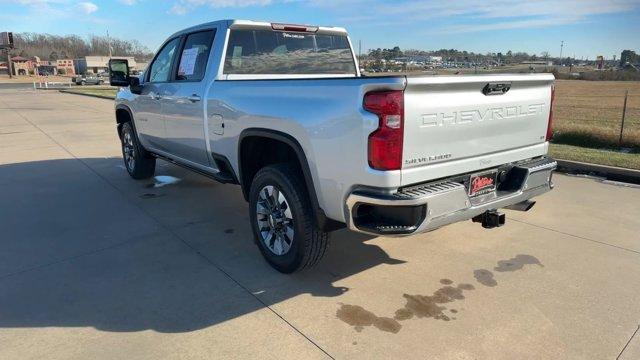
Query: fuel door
216,126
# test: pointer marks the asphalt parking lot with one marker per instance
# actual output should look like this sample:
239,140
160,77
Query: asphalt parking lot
94,264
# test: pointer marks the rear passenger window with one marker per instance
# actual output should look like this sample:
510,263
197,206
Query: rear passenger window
194,57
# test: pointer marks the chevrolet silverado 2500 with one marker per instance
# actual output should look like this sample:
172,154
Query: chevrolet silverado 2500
283,111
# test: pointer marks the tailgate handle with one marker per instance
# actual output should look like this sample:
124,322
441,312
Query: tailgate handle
496,88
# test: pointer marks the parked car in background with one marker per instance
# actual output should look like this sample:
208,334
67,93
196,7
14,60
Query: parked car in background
282,111
89,79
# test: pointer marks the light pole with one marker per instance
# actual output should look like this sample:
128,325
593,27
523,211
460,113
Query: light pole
561,46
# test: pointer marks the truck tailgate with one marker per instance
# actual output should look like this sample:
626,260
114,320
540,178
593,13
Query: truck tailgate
453,126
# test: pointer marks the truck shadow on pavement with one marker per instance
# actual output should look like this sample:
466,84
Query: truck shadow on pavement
84,245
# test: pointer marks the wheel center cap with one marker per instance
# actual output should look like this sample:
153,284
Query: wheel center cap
275,219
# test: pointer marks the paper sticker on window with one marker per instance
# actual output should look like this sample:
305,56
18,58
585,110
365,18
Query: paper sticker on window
188,62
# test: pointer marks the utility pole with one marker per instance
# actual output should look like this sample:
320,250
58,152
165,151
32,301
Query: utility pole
6,43
561,46
624,112
109,44
9,67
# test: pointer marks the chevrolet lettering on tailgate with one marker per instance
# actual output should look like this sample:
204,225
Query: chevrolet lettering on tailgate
468,116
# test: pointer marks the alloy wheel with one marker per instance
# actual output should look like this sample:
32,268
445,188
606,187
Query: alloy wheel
275,220
128,151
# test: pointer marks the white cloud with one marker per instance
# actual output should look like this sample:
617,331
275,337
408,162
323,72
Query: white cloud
463,15
181,7
87,7
476,15
228,3
56,7
129,2
178,10
37,2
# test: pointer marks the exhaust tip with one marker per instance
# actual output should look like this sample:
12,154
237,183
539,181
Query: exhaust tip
522,206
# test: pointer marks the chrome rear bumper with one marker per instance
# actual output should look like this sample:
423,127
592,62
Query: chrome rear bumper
447,201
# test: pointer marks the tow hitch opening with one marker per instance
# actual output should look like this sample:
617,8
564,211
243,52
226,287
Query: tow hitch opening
490,219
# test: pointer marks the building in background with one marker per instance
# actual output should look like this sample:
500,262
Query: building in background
24,66
99,64
65,67
46,68
600,62
434,60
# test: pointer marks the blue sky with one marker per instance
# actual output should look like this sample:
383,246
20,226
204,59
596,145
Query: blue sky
588,27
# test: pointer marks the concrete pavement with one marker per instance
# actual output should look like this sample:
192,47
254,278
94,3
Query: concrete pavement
96,265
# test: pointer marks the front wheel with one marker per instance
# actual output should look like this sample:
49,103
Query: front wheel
139,164
282,220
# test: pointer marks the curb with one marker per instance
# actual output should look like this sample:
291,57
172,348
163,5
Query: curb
610,172
90,95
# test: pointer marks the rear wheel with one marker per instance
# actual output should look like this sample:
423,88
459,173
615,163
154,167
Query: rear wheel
282,220
139,163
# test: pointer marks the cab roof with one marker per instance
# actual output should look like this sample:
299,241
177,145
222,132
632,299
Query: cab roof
249,24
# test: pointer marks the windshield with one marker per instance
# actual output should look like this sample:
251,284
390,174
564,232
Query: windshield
275,52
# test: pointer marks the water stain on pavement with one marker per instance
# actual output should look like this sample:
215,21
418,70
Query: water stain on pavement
162,180
358,317
430,306
517,263
485,277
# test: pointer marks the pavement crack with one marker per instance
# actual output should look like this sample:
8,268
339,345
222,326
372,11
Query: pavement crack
70,258
578,236
628,342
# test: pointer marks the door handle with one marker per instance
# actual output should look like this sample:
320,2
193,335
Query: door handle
194,98
155,96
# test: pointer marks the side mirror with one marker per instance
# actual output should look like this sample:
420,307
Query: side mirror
134,85
119,72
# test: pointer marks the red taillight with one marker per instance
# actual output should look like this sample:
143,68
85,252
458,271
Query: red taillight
550,123
385,144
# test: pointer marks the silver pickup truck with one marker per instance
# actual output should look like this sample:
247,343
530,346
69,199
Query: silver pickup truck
283,111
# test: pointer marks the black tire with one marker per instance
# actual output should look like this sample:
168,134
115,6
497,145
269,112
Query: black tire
83,83
309,243
143,165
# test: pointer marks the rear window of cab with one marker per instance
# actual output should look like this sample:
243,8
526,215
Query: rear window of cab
274,52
